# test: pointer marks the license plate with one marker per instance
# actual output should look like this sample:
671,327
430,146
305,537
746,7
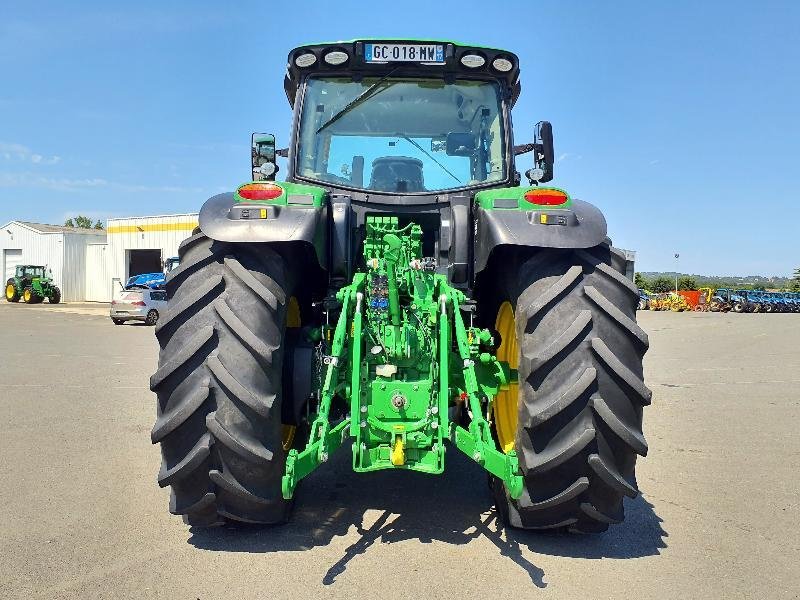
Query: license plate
422,53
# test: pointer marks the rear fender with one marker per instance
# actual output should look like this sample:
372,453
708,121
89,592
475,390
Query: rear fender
221,219
580,225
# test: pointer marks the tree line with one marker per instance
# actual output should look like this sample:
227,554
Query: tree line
661,284
82,222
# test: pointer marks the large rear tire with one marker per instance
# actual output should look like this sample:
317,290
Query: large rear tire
578,427
219,383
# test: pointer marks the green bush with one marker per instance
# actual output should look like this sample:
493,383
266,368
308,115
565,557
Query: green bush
660,285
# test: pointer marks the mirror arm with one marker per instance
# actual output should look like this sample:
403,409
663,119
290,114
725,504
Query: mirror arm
524,149
284,152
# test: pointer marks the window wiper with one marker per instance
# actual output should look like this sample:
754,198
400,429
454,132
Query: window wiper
429,155
362,97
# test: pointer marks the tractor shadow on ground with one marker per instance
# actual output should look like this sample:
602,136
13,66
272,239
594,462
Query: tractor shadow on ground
455,508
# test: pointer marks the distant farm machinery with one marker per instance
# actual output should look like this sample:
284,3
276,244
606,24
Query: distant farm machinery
670,301
722,300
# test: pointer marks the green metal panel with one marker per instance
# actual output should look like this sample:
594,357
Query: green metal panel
486,198
293,194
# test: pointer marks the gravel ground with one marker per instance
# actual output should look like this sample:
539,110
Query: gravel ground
82,516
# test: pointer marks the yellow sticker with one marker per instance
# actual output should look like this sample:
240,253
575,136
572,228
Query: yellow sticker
263,213
543,219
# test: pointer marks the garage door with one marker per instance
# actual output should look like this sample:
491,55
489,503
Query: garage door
11,258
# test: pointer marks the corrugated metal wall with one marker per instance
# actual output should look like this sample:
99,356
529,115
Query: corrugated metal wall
99,285
74,275
163,233
37,248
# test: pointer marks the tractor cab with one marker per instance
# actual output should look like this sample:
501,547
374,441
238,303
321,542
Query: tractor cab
402,118
30,272
393,119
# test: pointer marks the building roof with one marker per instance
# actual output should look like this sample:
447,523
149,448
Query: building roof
148,217
43,228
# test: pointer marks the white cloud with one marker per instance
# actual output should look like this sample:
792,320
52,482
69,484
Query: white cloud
65,184
655,161
19,152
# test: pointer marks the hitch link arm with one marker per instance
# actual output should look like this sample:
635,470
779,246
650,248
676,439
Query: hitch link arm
477,443
324,440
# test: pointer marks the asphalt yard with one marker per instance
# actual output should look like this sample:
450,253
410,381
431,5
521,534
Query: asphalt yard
82,516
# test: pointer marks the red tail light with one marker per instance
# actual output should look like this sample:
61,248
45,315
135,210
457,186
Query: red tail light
260,191
139,303
546,197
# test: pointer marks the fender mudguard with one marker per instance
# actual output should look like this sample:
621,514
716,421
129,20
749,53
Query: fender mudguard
582,225
305,224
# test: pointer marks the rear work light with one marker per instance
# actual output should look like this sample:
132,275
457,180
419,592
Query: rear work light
336,57
473,61
305,60
260,191
546,197
502,64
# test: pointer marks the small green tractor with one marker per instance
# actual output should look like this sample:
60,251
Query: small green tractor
399,296
32,284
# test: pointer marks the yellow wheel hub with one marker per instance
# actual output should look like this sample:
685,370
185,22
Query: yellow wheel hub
287,436
292,320
10,291
26,295
505,404
293,313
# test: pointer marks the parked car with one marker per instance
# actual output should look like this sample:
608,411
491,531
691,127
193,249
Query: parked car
138,305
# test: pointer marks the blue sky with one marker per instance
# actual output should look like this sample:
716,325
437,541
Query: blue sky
680,120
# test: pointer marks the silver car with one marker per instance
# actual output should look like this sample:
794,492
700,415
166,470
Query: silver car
138,305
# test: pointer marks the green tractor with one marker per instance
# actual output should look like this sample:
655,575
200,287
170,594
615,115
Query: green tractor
33,284
402,295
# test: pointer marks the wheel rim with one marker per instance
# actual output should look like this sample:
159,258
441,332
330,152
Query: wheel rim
10,291
293,321
26,295
505,404
293,313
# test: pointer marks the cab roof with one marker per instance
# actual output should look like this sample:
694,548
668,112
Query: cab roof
356,65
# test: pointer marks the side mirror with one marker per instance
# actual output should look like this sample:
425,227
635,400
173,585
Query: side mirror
543,155
460,143
262,157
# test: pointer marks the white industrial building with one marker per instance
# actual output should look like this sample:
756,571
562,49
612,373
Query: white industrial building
89,264
133,246
62,249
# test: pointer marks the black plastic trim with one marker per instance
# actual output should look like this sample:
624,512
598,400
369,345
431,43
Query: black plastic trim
585,228
284,224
